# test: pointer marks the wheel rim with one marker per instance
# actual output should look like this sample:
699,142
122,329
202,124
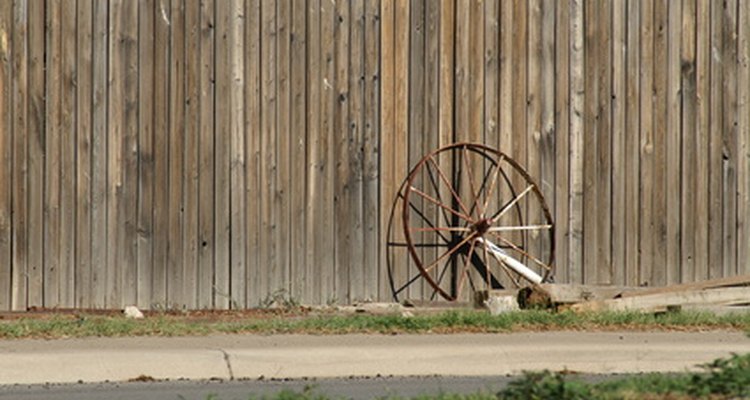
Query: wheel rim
462,201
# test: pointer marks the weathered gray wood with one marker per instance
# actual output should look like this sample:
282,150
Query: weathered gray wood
688,132
372,153
646,145
663,301
84,129
743,133
732,281
632,144
6,147
729,138
299,279
577,60
715,149
280,278
618,135
252,153
673,144
20,198
562,131
703,96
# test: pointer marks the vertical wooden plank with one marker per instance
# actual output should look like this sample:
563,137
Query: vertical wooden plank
206,79
315,144
431,110
159,273
237,206
68,117
6,160
577,105
324,242
84,107
646,225
618,175
703,101
371,148
130,149
688,170
729,136
354,144
192,141
401,94
743,133
716,152
416,113
99,176
661,51
343,223
603,131
506,58
222,182
547,137
533,132
297,147
592,59
252,146
21,136
491,73
632,128
114,109
562,140
281,238
176,239
52,106
475,77
146,188
388,181
673,144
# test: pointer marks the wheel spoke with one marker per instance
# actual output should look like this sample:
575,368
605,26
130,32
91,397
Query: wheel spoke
439,204
437,191
521,251
465,270
448,253
493,180
474,193
425,219
450,187
520,228
513,202
441,229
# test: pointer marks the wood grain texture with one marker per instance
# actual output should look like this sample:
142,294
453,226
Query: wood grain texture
220,154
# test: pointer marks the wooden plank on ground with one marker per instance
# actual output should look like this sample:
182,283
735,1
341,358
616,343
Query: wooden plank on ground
83,143
554,294
663,301
21,139
732,281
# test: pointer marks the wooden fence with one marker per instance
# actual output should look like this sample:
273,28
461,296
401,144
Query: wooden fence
215,153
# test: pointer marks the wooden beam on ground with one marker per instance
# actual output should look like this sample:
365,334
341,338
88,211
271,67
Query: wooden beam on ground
554,294
662,301
733,281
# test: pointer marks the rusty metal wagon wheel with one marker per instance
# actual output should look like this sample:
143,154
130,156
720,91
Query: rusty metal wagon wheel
472,218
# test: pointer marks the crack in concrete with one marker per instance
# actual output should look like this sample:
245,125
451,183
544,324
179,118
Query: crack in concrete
229,364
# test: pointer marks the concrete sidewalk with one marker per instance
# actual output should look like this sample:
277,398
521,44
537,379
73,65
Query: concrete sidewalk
296,356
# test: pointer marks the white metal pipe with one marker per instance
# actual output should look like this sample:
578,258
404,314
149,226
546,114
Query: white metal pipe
511,262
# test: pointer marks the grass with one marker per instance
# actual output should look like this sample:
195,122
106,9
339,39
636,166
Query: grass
64,326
